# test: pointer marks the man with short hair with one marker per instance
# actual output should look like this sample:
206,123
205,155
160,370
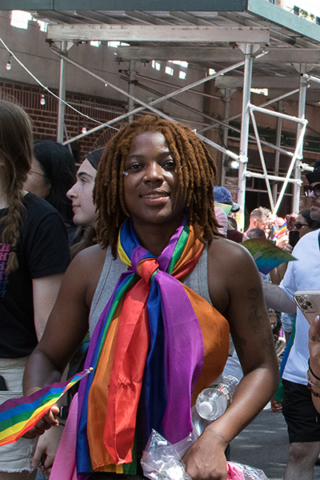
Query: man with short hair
302,419
259,219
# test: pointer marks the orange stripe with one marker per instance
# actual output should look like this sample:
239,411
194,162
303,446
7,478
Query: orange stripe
98,397
215,331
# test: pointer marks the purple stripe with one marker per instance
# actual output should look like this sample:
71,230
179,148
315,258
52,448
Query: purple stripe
167,253
137,255
184,356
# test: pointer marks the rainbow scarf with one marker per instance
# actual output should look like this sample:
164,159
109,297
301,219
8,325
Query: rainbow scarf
19,415
156,346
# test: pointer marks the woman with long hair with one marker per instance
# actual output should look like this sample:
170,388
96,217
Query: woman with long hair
33,257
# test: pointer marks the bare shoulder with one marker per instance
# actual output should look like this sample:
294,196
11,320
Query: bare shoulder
85,270
94,254
83,273
230,255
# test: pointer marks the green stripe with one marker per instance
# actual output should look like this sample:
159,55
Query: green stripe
179,249
24,416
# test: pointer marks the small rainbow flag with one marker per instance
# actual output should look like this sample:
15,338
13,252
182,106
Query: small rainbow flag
19,415
282,230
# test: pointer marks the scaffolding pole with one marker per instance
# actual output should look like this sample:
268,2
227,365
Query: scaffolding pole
132,73
62,94
300,121
277,154
227,98
265,104
244,136
146,105
301,114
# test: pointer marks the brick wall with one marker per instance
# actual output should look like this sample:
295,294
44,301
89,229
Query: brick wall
45,117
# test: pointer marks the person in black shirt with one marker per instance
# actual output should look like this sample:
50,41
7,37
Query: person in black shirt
34,254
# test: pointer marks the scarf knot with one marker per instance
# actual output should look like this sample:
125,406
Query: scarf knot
144,264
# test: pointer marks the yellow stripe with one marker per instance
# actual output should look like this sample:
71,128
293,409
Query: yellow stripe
122,254
16,428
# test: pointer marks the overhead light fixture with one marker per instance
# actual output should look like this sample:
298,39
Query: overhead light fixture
42,100
233,164
84,128
8,65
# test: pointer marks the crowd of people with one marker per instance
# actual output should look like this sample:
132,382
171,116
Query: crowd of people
140,252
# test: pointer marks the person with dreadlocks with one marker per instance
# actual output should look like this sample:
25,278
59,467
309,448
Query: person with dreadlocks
162,290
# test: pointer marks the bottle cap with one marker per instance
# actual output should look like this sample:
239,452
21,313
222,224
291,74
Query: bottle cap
204,409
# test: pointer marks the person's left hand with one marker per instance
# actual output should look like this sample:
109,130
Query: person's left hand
46,450
205,460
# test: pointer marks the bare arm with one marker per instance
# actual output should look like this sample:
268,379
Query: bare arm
236,291
277,299
45,292
66,328
67,325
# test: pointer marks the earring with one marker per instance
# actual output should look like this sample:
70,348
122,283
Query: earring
125,173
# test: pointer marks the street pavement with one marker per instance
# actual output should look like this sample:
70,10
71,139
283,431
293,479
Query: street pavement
264,445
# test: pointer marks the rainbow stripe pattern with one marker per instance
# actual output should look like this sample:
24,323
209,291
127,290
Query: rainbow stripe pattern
19,415
281,231
157,344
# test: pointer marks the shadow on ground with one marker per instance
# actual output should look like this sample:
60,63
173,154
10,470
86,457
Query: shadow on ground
263,444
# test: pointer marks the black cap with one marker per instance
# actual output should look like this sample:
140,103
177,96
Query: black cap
315,175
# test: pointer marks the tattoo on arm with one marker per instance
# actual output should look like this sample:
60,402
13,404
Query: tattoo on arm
257,316
239,344
256,324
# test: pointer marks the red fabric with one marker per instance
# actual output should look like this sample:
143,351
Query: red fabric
127,373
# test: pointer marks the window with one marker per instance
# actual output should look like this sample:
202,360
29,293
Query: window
179,62
117,44
169,70
156,65
43,25
20,19
95,43
260,91
182,75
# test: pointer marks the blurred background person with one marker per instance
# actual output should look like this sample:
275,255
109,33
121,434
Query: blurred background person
259,218
52,174
80,195
34,255
304,223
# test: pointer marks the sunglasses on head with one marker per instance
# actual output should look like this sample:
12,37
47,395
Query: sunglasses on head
298,225
308,189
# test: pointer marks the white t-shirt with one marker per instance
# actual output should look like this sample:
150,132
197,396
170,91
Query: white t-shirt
302,274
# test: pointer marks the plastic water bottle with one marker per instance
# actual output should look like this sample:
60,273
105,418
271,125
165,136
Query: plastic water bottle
212,402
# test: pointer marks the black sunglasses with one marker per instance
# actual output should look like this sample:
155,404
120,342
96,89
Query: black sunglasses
308,189
298,225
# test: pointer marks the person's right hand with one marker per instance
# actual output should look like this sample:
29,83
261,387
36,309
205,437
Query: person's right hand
282,242
47,421
314,345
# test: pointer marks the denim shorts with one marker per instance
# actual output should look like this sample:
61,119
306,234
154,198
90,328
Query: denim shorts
15,457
